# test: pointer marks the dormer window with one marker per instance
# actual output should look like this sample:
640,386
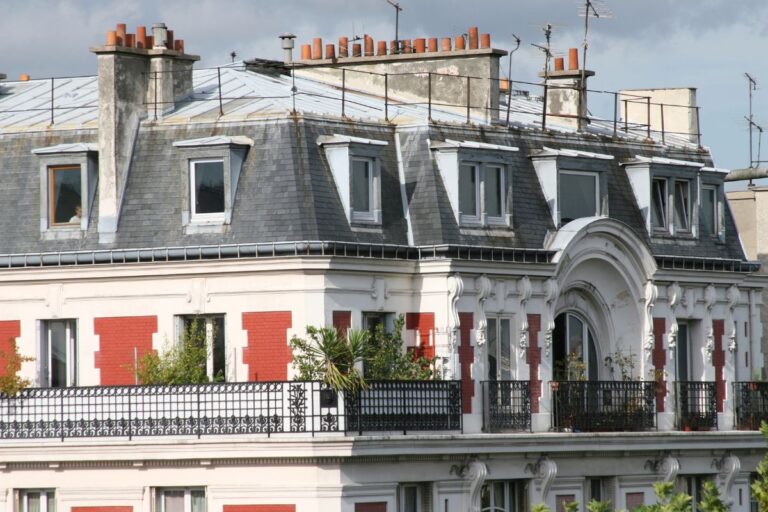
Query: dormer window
579,195
477,178
682,212
356,167
709,210
659,204
66,208
207,190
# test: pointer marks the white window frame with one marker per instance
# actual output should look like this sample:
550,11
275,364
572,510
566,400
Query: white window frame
717,206
466,218
594,175
482,218
205,218
510,489
52,169
370,214
159,491
498,320
665,204
674,229
24,499
502,218
209,341
419,497
71,350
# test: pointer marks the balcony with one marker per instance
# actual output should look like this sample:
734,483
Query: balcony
228,409
603,406
506,406
696,405
751,407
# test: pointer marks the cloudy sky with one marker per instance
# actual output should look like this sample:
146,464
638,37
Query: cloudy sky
707,44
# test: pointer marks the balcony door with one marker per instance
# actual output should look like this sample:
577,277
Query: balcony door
574,348
499,349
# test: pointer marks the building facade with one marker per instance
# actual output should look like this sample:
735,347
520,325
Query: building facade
579,282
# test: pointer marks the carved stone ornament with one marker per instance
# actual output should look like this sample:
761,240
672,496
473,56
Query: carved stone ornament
728,467
476,472
552,292
651,293
544,472
525,290
674,296
666,467
710,296
379,292
483,286
455,290
734,296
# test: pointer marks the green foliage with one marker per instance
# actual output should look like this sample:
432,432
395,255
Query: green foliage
625,364
540,508
328,357
710,500
10,381
760,485
667,500
571,506
572,368
181,363
599,506
386,359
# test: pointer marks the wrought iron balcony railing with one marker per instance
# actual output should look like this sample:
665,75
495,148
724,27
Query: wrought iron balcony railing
227,409
506,405
751,404
696,405
404,405
593,406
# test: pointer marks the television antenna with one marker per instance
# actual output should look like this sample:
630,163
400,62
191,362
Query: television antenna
546,48
592,9
398,10
509,75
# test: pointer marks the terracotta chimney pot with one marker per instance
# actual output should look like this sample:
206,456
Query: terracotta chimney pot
432,44
317,48
485,40
330,51
24,77
419,45
559,63
130,40
573,59
111,38
169,40
343,46
150,41
179,45
121,34
141,37
368,45
306,52
382,48
393,47
357,50
504,85
407,48
473,38
446,44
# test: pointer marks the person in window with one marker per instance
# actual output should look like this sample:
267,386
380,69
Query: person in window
75,219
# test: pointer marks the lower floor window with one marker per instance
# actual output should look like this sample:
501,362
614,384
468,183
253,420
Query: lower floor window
504,496
207,331
58,354
37,500
180,499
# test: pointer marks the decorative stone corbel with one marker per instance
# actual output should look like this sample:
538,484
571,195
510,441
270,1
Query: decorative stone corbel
552,292
728,466
476,472
525,290
544,472
710,297
483,286
379,292
734,296
455,290
674,296
651,293
666,467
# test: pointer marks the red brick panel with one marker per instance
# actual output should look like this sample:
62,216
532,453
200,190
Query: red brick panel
103,509
534,360
466,358
376,506
342,321
9,331
659,359
718,361
259,508
118,336
268,353
424,324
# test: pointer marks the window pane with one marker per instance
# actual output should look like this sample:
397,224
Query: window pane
57,335
468,190
659,204
219,349
209,187
682,205
492,350
33,502
708,211
498,495
51,502
66,204
173,501
505,336
361,182
577,196
682,352
576,336
493,191
198,500
410,499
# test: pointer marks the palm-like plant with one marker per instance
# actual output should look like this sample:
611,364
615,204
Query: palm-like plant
331,358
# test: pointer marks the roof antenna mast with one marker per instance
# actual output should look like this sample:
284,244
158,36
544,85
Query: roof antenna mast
546,48
751,86
592,9
398,9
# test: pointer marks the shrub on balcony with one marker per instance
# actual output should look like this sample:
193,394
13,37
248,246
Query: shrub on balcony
181,363
386,359
327,356
11,383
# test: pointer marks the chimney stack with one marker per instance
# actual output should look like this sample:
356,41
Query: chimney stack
566,93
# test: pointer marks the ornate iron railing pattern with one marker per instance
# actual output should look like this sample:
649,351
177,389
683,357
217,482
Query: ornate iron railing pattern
590,406
696,405
404,406
506,405
199,409
751,404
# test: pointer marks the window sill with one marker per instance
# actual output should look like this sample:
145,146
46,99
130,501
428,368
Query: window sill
63,233
491,230
197,228
359,227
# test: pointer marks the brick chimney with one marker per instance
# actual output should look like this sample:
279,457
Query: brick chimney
409,63
566,94
136,72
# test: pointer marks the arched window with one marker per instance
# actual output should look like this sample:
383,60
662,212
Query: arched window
574,348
